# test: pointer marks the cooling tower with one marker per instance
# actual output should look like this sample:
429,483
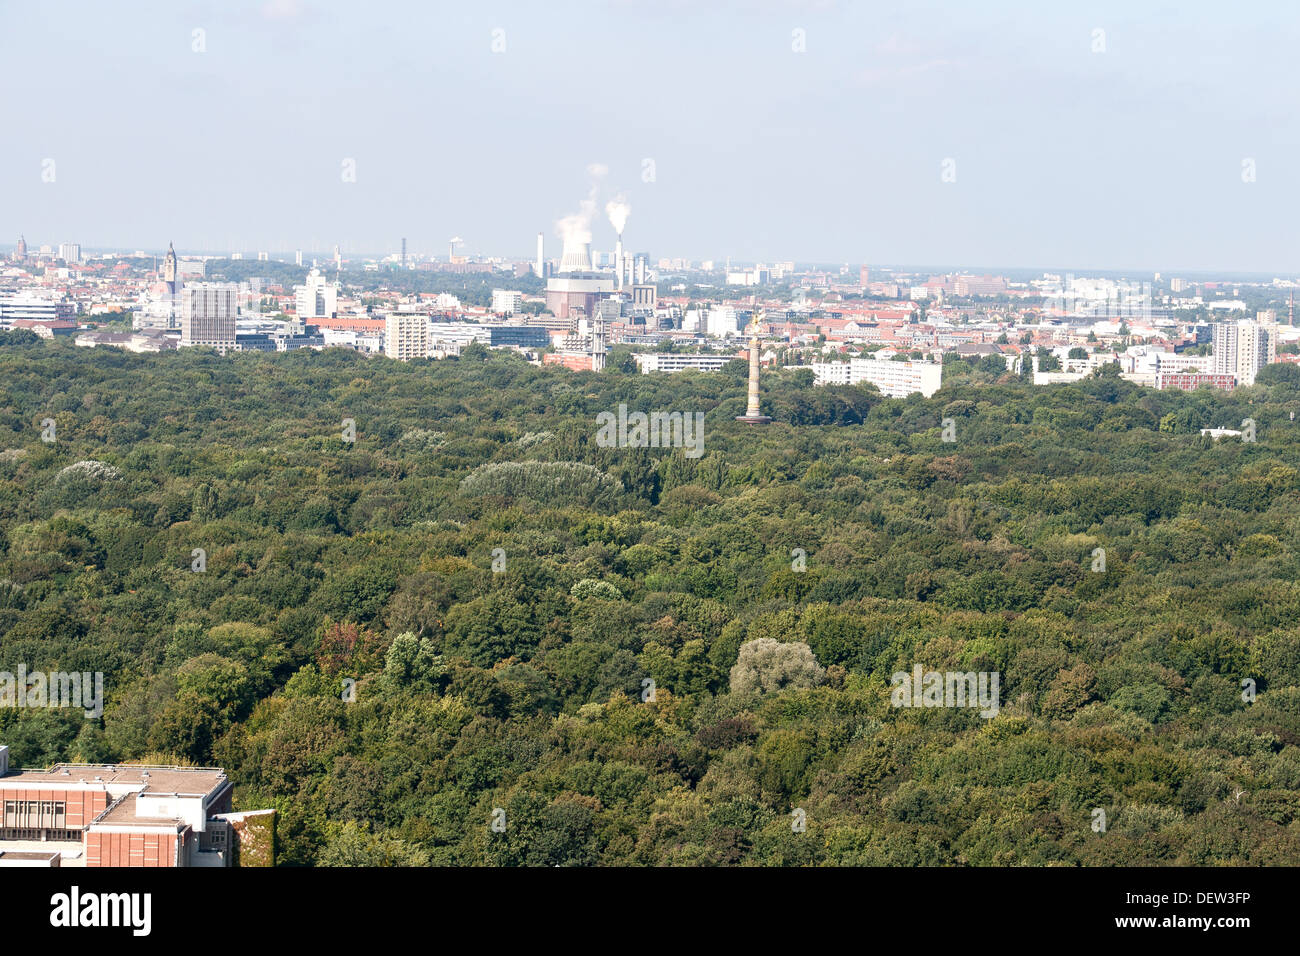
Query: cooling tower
577,256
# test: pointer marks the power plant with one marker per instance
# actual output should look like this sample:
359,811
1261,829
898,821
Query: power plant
587,294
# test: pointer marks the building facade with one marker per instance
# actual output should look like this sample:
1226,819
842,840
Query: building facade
1241,349
893,379
507,302
678,362
317,298
126,815
576,294
406,336
208,311
32,309
1190,381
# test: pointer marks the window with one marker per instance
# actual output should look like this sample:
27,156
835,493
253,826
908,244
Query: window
35,814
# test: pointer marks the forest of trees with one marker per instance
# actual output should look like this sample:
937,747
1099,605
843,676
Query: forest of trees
504,593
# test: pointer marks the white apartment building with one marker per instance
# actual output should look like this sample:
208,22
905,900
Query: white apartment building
317,299
406,335
1242,349
832,373
70,251
677,362
208,311
507,302
893,379
721,321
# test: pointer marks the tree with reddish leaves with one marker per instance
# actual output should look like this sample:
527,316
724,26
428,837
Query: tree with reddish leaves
349,649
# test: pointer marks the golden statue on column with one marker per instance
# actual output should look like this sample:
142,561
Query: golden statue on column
754,413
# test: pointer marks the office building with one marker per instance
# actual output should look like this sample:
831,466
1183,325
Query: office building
317,299
76,815
28,308
208,311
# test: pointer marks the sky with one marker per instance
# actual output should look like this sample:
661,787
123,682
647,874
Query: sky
1152,136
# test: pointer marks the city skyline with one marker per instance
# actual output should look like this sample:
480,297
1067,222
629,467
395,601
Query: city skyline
822,132
323,257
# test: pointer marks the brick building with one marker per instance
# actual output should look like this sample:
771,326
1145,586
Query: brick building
127,815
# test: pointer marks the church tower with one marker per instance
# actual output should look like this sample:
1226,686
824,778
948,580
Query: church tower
169,269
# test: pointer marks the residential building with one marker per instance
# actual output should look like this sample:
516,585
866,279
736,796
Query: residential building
893,379
46,330
679,362
507,302
406,335
1242,348
722,321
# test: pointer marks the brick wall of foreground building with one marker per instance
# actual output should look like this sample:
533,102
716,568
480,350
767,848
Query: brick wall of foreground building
80,807
131,849
128,815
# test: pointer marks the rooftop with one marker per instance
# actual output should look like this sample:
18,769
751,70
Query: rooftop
123,812
157,780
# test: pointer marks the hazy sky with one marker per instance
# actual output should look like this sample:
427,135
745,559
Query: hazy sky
1063,157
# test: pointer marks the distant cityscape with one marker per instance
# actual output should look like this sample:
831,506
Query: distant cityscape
851,325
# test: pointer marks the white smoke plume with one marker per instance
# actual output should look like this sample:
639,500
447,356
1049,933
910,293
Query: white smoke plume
618,209
576,227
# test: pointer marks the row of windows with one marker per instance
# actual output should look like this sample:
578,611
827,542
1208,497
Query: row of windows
14,833
35,814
